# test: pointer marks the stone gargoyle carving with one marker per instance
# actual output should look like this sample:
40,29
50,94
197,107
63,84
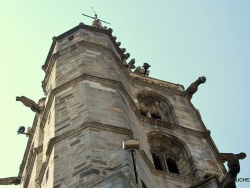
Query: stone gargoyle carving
194,87
233,168
9,181
30,103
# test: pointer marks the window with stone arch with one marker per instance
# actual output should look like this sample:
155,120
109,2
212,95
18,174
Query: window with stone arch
170,155
155,106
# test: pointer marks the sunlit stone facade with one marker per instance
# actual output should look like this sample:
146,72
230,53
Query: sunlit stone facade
93,102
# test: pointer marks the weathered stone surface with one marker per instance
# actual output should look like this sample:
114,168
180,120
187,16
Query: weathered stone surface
93,103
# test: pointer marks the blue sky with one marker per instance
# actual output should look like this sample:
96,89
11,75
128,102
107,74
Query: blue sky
182,40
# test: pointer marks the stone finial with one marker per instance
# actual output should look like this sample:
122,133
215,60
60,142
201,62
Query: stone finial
30,103
125,56
97,23
123,50
118,43
194,87
208,133
233,168
43,68
131,64
54,39
110,30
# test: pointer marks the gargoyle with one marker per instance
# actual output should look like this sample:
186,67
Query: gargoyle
233,168
29,103
9,181
194,87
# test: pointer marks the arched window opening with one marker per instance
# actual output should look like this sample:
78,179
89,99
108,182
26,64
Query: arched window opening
169,154
172,166
156,107
157,162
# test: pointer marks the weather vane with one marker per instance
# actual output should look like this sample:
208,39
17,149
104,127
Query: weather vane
97,21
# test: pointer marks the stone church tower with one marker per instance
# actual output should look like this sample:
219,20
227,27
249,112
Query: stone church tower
94,101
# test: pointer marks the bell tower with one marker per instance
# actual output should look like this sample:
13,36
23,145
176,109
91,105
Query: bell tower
94,101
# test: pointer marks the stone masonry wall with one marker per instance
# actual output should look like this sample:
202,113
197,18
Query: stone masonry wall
92,106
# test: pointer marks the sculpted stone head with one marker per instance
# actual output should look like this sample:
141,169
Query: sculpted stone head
202,79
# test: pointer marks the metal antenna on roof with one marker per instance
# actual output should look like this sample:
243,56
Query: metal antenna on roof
97,21
95,13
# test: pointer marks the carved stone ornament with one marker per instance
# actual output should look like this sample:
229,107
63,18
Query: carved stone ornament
233,168
194,87
29,103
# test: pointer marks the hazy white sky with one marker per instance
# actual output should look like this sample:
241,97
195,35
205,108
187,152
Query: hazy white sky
182,40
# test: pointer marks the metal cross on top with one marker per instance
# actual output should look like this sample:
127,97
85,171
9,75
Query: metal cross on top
97,21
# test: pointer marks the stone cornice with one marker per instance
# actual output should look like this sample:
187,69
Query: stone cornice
171,126
95,125
158,84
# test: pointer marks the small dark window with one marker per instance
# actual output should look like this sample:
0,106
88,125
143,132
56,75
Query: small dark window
71,37
172,166
157,162
143,185
155,116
